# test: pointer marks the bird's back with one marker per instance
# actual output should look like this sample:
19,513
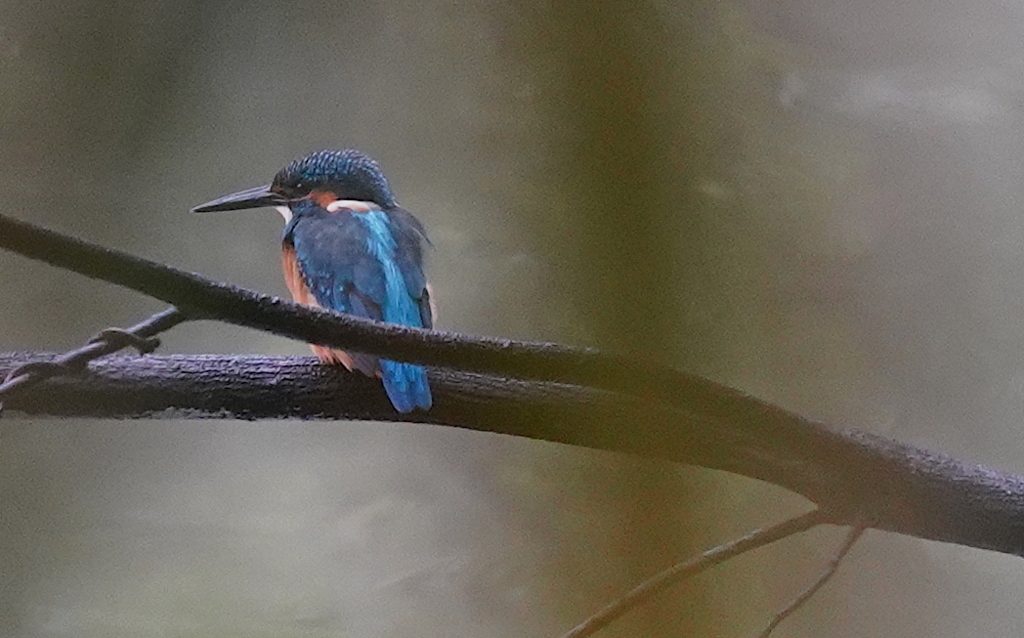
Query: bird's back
367,263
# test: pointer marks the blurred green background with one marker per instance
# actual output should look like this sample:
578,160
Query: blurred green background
817,202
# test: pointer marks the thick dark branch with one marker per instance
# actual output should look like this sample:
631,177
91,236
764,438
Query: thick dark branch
663,413
895,486
201,297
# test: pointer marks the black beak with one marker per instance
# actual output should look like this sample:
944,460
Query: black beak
251,198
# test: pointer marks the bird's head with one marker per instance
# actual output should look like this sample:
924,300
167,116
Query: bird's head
323,176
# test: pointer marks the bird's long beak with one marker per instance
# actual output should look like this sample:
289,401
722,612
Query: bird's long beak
250,198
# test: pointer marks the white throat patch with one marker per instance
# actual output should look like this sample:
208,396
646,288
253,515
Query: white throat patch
354,205
285,212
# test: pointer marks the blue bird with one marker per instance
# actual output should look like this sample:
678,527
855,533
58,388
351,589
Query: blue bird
350,247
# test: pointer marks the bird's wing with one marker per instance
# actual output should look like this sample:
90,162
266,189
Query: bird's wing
410,238
301,293
338,263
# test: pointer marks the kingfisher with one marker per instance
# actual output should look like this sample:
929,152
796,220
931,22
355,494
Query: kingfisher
350,247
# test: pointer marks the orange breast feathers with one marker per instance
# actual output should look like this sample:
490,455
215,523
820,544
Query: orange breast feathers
303,295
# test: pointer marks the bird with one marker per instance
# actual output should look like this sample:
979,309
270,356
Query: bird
348,246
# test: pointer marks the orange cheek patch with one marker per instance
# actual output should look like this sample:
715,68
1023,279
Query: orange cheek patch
323,198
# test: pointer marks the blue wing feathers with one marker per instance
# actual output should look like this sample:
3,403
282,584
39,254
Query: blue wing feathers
409,238
405,383
369,265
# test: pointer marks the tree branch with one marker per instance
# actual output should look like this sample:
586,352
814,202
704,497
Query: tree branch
643,409
677,573
826,575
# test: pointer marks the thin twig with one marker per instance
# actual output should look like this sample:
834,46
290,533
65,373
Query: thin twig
139,336
851,539
692,567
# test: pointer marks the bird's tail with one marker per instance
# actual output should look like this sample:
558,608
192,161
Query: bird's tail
406,385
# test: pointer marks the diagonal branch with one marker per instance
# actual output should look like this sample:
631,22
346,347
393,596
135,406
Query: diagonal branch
826,575
659,412
204,298
677,573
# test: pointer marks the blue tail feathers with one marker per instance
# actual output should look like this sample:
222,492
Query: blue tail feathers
406,385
